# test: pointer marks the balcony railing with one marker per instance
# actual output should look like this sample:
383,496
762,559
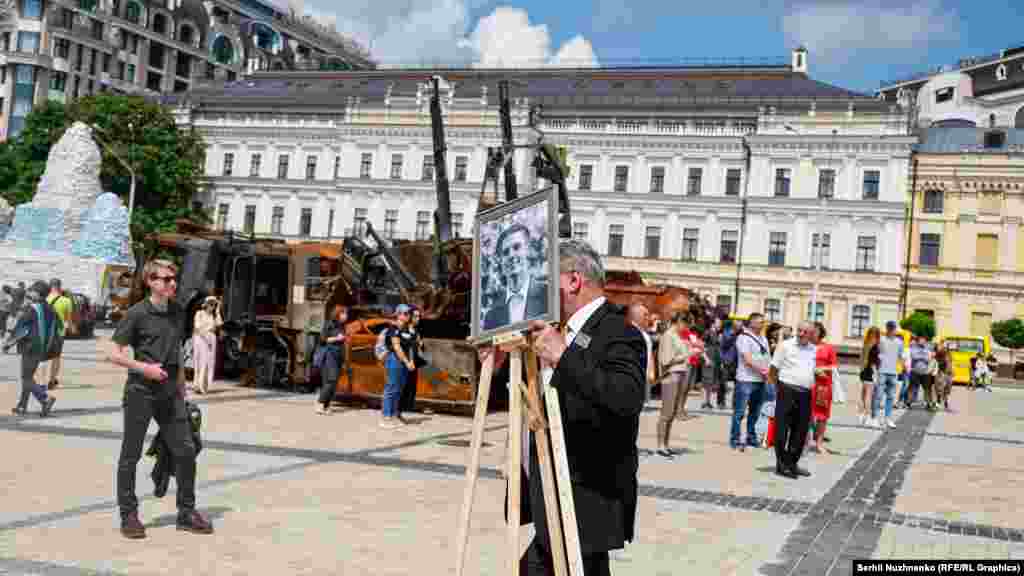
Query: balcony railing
648,128
954,274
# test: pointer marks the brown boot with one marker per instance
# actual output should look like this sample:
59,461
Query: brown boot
193,521
132,528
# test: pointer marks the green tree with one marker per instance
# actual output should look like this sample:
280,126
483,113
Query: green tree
168,161
1009,333
919,324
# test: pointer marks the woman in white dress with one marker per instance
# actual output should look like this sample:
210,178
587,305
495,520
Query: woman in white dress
204,343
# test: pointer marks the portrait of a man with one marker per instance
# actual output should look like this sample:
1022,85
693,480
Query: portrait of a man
524,295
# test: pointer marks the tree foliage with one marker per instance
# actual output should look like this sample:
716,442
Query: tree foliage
1009,333
919,324
168,161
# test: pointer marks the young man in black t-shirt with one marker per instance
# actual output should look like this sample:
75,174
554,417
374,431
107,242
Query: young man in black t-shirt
154,329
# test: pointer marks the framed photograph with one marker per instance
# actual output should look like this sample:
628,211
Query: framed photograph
515,265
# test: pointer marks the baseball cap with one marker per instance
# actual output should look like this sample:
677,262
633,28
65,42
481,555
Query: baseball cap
403,309
890,324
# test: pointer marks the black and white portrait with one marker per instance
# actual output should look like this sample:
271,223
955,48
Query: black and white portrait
514,265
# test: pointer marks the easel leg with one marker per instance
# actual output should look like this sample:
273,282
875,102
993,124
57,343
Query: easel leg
547,474
479,419
515,459
572,536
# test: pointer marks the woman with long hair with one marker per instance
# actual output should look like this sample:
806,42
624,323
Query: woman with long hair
869,362
825,361
674,352
204,343
332,339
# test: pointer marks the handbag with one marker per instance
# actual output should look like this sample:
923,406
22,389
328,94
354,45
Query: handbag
319,356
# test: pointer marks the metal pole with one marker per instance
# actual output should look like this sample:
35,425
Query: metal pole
821,238
131,158
910,236
743,225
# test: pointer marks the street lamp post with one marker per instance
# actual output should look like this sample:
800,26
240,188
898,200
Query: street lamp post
127,165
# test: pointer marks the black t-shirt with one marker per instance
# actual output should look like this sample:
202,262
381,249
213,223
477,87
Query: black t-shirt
406,339
154,335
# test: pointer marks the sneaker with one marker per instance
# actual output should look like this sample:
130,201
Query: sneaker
891,424
389,423
862,419
48,406
132,528
19,411
194,522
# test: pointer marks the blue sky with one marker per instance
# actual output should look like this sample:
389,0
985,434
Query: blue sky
855,44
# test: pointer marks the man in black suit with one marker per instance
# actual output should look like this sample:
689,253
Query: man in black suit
524,297
598,369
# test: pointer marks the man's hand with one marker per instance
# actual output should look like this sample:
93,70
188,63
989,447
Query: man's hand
499,358
410,365
154,372
548,343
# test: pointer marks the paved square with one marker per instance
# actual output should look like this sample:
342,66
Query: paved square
291,492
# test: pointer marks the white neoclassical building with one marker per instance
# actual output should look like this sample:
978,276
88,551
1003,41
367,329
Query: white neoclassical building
714,177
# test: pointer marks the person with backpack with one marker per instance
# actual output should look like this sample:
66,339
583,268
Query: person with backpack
399,364
62,306
37,334
729,358
751,375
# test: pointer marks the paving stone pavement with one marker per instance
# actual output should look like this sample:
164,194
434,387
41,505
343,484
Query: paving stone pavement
295,493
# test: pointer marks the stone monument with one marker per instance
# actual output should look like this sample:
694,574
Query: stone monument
71,230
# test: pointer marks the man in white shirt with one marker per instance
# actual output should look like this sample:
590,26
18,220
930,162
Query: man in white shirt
792,373
639,316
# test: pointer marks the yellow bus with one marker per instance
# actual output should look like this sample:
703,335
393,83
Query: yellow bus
961,349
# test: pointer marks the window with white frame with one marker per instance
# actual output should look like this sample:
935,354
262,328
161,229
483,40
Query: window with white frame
366,165
821,248
330,222
860,319
337,166
616,238
229,163
621,178
586,176
658,179
652,242
930,245
359,222
872,184
827,183
728,248
933,202
282,166
777,249
423,225
390,223
396,166
773,309
277,220
311,167
819,312
782,179
461,168
306,222
249,224
733,179
581,231
693,180
428,168
691,244
866,253
255,162
222,216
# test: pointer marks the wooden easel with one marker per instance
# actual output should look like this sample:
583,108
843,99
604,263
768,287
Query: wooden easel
558,500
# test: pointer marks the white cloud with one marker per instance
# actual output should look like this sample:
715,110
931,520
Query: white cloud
835,30
440,32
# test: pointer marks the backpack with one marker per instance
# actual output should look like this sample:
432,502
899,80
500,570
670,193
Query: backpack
729,354
380,349
49,341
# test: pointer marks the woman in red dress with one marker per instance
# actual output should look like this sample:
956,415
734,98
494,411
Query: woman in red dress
821,400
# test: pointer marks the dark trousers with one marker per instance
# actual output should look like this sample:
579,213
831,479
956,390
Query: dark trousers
792,421
329,374
29,363
142,402
407,401
536,561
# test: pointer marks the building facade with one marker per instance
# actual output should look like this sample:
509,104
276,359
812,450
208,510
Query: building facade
60,49
688,176
967,256
983,92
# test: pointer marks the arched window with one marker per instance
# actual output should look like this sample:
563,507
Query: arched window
159,23
1001,72
133,12
223,51
186,34
266,38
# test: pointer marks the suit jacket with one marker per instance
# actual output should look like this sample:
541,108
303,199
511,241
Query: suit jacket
601,391
536,303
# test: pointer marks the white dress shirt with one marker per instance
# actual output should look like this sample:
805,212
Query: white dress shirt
517,308
574,325
795,363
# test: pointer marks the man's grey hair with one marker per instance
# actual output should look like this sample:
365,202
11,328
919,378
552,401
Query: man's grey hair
579,256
